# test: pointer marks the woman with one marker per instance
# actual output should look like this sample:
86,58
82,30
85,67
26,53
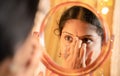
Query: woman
81,37
19,51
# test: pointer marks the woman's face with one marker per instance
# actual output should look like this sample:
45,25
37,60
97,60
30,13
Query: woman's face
83,31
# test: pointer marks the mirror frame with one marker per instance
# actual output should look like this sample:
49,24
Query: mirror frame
105,52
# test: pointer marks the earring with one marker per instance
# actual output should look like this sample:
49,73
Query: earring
59,54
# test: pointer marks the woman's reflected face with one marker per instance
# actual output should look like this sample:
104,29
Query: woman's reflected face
85,32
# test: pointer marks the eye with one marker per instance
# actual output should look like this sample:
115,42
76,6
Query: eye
87,40
68,38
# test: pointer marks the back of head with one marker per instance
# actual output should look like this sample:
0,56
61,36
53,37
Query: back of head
16,22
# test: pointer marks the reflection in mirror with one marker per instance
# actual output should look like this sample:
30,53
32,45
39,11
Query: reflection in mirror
80,37
75,41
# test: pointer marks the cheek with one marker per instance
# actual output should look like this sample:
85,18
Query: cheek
62,45
95,48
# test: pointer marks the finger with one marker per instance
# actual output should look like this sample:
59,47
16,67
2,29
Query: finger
84,55
80,57
75,53
77,49
88,59
81,53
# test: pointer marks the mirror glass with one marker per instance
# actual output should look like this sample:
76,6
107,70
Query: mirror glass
76,39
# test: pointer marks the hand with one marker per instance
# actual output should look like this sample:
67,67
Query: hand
76,56
27,58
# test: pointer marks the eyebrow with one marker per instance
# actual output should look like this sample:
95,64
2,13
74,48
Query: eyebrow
79,36
67,33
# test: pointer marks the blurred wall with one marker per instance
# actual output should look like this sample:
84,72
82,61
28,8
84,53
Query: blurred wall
115,62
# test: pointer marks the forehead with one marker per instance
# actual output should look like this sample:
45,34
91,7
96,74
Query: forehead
77,27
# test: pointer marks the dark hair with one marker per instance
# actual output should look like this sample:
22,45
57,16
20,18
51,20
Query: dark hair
83,14
16,22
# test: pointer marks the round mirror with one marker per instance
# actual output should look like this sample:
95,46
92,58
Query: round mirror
76,39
